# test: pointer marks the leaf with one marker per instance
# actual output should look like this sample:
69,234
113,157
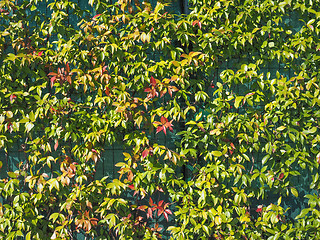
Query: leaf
281,128
12,98
96,16
294,192
303,213
149,214
216,153
218,220
12,175
265,159
205,229
237,101
153,81
159,129
29,126
166,216
139,120
168,211
120,164
145,153
310,131
281,176
56,145
219,209
54,217
28,236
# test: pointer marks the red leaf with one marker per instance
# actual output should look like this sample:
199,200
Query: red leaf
166,216
164,130
96,16
145,153
149,214
56,145
147,90
162,93
159,129
281,176
250,94
164,120
160,211
259,209
153,81
9,125
131,187
40,53
107,91
12,97
160,203
196,22
168,211
52,80
67,68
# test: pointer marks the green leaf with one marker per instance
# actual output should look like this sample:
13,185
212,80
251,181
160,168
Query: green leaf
32,8
139,120
281,128
294,192
303,213
28,236
205,229
12,175
237,101
29,126
54,217
216,153
265,159
218,220
310,131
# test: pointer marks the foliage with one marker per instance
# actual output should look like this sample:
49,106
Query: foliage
233,83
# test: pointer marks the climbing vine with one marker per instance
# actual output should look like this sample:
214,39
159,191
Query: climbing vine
217,113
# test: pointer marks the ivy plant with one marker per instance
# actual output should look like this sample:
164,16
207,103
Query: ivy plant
217,113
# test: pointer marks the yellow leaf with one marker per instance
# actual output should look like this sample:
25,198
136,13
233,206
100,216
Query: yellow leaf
217,220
